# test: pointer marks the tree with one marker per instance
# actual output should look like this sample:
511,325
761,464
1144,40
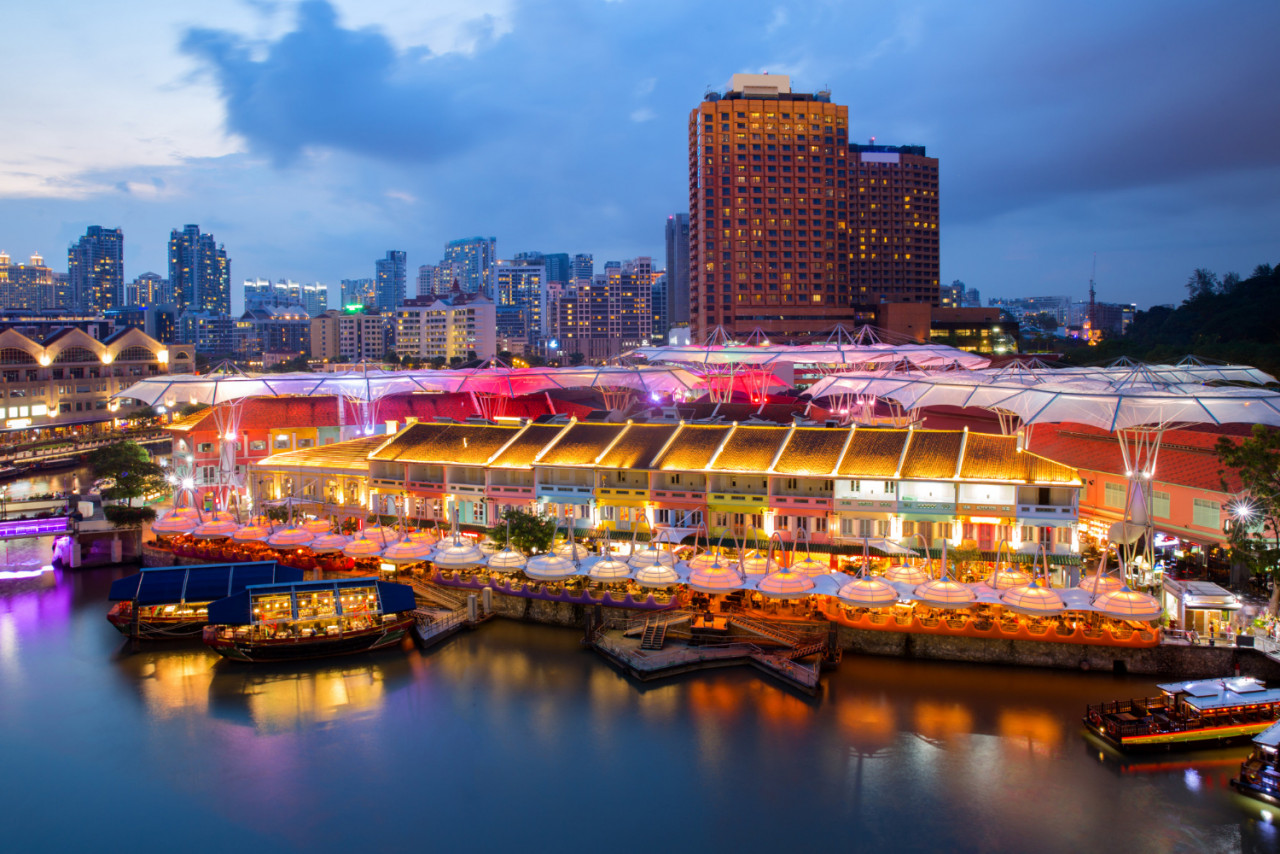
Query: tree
297,363
1045,321
1253,528
530,532
576,358
130,470
1203,283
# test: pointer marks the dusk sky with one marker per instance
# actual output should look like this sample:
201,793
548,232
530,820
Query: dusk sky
310,138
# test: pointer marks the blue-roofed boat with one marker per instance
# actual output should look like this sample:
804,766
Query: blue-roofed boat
172,601
1198,714
310,619
1260,773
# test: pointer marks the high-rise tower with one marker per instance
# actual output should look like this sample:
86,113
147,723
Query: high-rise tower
677,294
389,280
768,210
199,272
95,267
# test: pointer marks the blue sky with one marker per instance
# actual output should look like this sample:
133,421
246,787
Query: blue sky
312,137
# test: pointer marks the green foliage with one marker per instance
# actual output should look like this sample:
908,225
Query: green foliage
123,516
297,363
1254,531
131,470
530,532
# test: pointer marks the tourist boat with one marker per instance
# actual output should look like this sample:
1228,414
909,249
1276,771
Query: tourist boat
1199,714
172,601
310,619
1260,773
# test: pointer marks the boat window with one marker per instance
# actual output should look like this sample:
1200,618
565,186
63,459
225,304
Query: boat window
317,603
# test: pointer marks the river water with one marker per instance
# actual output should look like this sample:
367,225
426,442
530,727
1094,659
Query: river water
512,737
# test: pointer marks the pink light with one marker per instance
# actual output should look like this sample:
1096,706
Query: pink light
15,574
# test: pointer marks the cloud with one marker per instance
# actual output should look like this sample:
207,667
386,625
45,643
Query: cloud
644,114
402,196
777,21
325,86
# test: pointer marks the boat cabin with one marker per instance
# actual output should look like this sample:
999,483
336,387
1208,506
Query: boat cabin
1260,773
174,600
308,609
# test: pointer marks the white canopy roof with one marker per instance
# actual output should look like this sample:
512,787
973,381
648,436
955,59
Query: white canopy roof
918,355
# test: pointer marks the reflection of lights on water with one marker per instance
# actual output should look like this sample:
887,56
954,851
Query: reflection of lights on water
1266,816
14,574
1191,778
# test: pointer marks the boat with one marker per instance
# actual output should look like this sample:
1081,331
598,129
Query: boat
1260,773
1203,713
172,601
310,619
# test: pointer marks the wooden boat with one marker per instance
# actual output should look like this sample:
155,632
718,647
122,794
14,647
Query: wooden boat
1260,773
310,619
1188,715
172,601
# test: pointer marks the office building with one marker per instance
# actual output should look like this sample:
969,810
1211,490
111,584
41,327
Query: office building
350,335
95,268
25,287
471,260
147,289
597,319
676,299
273,329
211,334
357,292
768,210
1059,308
389,281
157,321
893,201
434,280
199,272
263,293
519,286
456,328
660,308
958,295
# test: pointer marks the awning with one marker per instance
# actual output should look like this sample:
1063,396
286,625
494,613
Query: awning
174,584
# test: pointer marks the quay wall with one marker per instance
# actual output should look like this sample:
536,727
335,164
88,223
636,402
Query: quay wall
1175,661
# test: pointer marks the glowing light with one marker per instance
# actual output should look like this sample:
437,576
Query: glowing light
107,358
45,361
15,574
188,482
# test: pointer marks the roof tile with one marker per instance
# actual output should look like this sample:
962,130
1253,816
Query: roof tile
873,453
812,451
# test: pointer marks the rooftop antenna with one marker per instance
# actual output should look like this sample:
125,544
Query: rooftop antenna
1093,301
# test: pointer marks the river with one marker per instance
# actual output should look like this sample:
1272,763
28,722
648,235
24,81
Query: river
513,737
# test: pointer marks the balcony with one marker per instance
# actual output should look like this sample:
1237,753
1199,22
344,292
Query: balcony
1047,512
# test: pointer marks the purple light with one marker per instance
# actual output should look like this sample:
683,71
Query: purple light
14,574
33,527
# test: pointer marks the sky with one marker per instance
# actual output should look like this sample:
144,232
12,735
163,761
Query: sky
312,137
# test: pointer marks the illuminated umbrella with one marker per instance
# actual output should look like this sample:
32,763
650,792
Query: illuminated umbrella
785,584
457,552
650,555
290,538
758,563
172,524
362,548
218,526
329,543
550,567
251,534
1126,604
906,574
867,592
571,551
317,526
384,536
716,578
609,569
412,549
1033,600
945,593
706,559
657,575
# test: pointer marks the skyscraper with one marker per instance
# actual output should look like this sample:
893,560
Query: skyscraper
357,291
148,289
95,266
472,260
389,281
199,272
768,210
893,193
26,287
676,298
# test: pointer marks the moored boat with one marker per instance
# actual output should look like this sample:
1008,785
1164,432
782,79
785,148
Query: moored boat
310,619
172,601
1187,715
1260,773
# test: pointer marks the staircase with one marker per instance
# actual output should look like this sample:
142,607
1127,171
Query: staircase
438,595
766,630
655,634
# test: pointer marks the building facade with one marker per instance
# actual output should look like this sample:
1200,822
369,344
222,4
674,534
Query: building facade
199,272
149,289
284,294
389,280
677,284
356,292
27,287
596,319
458,328
95,268
470,261
349,335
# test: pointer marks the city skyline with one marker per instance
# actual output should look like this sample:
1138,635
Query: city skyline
1144,139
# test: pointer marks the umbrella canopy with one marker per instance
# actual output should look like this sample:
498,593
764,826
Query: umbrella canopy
609,569
507,560
457,552
867,592
1008,578
412,549
657,575
706,559
719,577
172,524
317,526
329,543
945,593
290,538
571,551
383,536
362,548
907,574
1128,604
550,567
758,563
1033,600
1100,583
251,534
785,584
809,565
651,555
217,526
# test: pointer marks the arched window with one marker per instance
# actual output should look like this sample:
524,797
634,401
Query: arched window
14,356
181,355
76,354
136,354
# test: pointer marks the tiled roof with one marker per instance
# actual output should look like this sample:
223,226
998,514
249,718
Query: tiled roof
350,456
521,453
873,453
1186,457
190,420
750,449
988,457
693,447
812,451
582,444
932,454
445,444
638,446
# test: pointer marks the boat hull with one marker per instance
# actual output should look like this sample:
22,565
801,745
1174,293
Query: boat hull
1248,789
300,649
156,630
1194,739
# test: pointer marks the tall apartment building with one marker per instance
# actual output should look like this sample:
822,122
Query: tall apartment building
434,280
677,293
460,327
599,318
25,287
146,290
769,229
199,272
349,335
893,199
284,293
95,267
389,281
356,292
273,329
519,287
471,260
660,307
